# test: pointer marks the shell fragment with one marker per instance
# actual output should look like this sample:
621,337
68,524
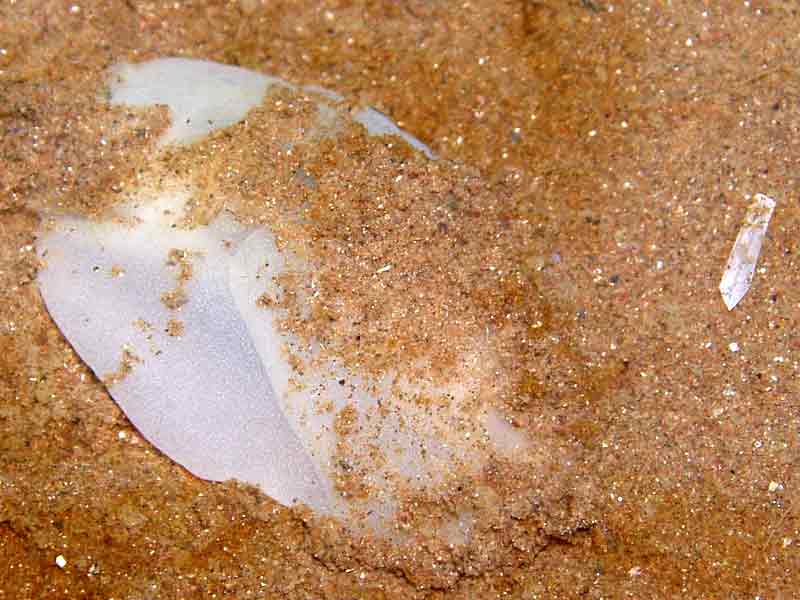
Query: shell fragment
742,261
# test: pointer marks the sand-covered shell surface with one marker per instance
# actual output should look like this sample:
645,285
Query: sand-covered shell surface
199,299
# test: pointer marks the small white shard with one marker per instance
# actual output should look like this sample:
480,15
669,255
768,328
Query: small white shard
742,261
378,124
61,562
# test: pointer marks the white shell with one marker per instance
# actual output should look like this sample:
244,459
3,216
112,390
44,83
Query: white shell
221,397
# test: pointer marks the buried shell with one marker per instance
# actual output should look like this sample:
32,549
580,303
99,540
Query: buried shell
185,321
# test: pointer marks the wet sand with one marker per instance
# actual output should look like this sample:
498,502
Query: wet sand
612,149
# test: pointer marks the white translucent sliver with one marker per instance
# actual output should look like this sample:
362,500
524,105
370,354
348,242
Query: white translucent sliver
746,249
378,124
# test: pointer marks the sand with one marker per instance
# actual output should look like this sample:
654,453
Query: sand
598,160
